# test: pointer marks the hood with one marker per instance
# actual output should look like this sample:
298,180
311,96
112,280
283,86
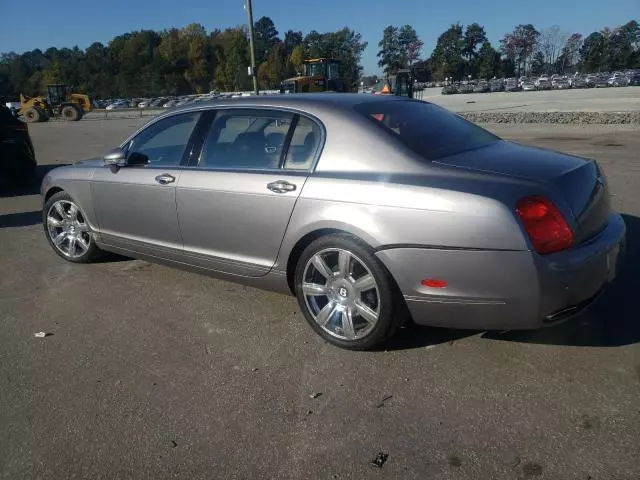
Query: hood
90,162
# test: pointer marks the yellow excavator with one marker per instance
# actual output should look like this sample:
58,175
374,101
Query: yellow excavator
320,75
60,101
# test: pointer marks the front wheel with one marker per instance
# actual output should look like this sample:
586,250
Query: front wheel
346,294
67,230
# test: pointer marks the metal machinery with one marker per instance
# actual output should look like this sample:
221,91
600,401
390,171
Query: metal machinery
60,101
400,83
320,75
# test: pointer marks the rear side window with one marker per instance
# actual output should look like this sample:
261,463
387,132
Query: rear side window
246,139
430,131
303,146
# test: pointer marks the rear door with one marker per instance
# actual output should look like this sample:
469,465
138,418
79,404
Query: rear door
136,204
235,202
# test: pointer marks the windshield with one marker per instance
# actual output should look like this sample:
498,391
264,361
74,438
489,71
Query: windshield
429,130
314,69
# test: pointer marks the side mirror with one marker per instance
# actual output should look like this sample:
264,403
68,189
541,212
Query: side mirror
115,156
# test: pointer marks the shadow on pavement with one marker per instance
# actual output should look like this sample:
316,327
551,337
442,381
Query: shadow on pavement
417,336
33,185
22,219
612,321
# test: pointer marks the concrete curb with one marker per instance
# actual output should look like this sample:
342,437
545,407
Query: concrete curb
576,118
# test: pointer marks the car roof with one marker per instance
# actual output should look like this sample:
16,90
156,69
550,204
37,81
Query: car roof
301,101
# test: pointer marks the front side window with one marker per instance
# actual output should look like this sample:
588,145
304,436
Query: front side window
430,131
246,139
164,142
303,146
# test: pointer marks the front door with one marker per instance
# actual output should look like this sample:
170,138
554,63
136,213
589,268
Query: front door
135,205
235,205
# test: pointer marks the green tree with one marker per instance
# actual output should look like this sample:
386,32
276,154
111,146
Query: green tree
291,40
296,59
538,65
474,35
447,57
592,52
410,45
487,63
389,54
265,36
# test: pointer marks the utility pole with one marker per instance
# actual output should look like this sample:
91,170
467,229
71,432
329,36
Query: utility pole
252,49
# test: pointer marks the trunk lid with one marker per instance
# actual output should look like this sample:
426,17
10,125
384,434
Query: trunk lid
578,180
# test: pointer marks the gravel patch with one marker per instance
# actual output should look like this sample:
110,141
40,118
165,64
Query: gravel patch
576,118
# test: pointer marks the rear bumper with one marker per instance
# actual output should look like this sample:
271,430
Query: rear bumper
505,289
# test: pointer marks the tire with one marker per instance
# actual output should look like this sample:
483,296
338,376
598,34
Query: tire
70,113
332,302
44,115
69,234
32,115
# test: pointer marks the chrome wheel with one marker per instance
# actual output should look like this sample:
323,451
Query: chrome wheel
68,229
341,294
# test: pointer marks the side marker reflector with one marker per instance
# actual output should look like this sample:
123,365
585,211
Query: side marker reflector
433,283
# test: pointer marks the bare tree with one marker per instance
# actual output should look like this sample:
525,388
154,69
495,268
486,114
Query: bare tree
551,41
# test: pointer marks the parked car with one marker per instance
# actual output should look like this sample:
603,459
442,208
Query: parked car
116,105
634,79
618,79
466,87
144,104
427,214
481,87
511,85
543,83
170,103
578,81
449,89
591,80
560,83
528,86
16,150
496,85
601,82
158,102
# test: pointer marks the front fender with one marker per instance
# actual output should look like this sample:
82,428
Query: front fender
75,180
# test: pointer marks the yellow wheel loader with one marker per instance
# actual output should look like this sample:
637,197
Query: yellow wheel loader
59,102
320,75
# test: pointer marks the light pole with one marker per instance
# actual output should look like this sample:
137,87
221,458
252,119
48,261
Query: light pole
252,68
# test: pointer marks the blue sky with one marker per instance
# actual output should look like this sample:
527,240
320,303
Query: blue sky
29,24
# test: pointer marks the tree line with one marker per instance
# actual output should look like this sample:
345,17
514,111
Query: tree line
179,61
462,51
192,60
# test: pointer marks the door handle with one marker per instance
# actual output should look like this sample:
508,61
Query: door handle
165,179
281,186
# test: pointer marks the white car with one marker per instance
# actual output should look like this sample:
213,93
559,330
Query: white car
117,105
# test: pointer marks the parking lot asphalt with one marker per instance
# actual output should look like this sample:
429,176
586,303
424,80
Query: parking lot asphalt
154,373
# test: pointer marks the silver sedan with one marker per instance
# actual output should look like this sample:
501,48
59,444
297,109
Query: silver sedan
371,210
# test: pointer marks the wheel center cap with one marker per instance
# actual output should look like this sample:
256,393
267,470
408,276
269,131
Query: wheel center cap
343,292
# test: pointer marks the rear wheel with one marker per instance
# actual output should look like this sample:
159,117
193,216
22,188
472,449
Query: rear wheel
70,113
67,230
346,293
32,115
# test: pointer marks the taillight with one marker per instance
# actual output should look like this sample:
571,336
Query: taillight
545,225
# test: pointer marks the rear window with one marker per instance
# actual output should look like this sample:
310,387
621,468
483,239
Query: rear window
427,129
